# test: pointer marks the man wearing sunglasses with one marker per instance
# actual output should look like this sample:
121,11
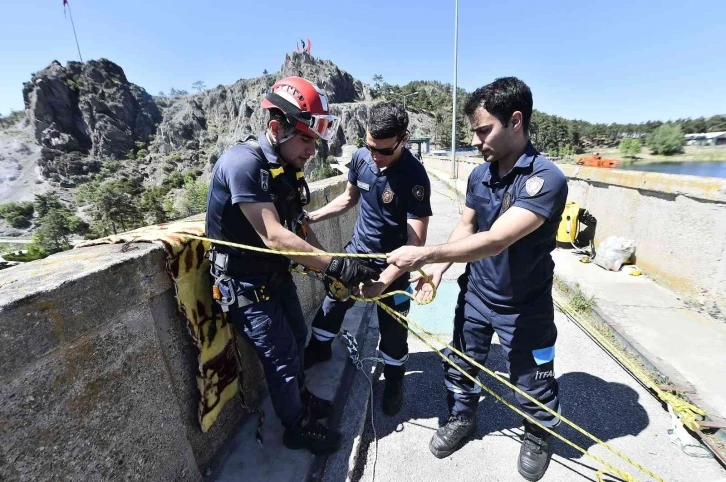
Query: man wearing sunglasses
514,202
394,191
256,198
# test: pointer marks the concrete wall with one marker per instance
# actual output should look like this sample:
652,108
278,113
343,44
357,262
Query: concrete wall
678,223
98,379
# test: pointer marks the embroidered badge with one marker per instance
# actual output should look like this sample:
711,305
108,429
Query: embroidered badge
264,179
534,185
387,195
418,192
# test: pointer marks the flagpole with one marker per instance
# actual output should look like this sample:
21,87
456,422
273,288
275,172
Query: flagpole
453,109
74,30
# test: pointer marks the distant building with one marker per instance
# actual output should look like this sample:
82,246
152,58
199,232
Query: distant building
706,139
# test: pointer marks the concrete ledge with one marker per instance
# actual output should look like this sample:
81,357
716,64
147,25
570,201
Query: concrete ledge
696,187
98,370
660,370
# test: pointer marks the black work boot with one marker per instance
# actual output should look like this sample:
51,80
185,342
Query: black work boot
317,351
449,438
319,407
535,453
311,435
393,396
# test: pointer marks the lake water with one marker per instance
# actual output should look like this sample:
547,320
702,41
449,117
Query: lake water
705,169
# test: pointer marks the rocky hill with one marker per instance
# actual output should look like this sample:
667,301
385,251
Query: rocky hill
84,115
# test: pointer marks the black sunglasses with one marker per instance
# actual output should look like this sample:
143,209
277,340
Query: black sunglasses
388,151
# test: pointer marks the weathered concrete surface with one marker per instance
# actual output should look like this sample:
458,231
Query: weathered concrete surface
85,393
678,223
98,371
596,393
681,343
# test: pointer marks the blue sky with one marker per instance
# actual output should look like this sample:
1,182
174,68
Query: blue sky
602,61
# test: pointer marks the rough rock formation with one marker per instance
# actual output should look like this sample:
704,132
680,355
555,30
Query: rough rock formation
338,84
85,113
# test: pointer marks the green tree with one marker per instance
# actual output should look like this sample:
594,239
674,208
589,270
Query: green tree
113,205
55,231
666,139
18,215
46,202
716,123
199,86
630,147
377,84
193,199
152,205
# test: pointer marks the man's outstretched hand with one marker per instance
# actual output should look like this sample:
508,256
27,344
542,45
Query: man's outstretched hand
424,291
409,258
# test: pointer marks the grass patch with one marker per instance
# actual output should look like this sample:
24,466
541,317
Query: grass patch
10,247
576,296
580,302
23,258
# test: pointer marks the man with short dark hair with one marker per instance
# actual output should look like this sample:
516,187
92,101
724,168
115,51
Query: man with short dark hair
395,192
514,202
256,198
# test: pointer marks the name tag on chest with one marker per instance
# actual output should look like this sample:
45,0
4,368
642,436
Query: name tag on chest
364,186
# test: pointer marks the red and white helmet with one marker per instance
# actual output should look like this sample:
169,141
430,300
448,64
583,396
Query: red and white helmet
304,105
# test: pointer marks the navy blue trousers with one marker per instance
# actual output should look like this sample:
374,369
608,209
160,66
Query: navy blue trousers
394,336
277,330
527,336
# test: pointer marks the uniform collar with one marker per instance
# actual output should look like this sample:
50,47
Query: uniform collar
267,149
524,161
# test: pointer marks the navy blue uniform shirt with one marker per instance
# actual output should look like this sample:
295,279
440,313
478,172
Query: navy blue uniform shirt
522,274
240,175
388,199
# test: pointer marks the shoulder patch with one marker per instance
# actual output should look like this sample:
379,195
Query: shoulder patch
387,195
264,179
534,185
418,192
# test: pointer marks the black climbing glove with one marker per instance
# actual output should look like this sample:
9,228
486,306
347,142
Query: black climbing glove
350,272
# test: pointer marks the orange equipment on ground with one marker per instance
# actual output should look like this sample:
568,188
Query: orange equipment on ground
595,160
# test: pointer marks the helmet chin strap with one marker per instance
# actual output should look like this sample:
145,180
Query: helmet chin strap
276,143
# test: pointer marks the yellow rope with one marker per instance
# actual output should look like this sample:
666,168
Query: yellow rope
285,253
688,412
613,470
405,321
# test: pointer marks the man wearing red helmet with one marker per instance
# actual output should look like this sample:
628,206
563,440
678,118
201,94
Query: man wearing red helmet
256,197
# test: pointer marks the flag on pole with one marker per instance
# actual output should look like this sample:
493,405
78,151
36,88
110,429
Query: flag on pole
67,6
